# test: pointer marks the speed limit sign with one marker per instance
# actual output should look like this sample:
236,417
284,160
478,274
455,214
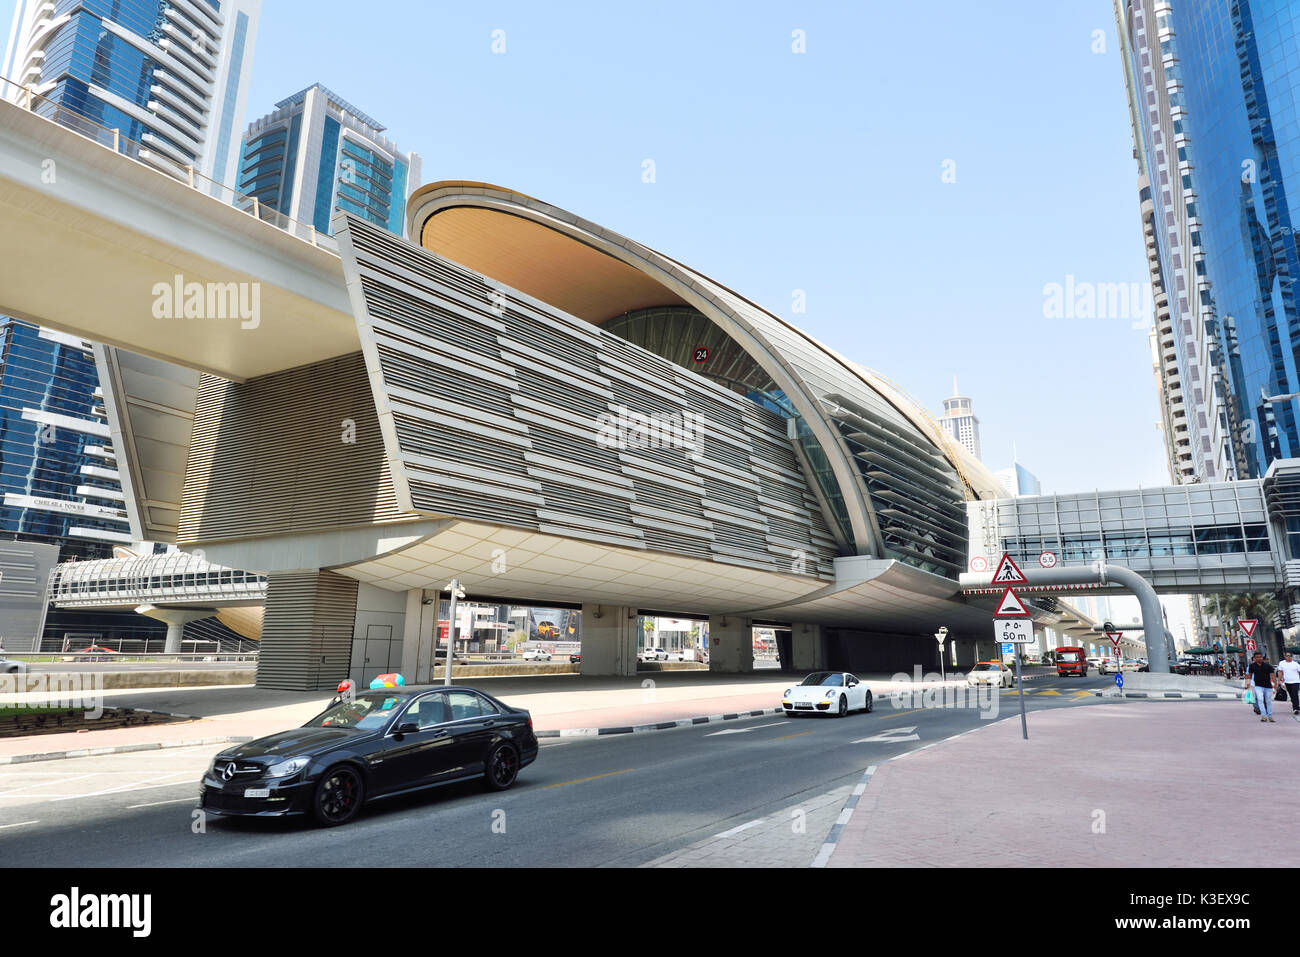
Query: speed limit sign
1047,559
979,564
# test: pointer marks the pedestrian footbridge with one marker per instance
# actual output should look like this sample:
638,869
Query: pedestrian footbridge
1239,536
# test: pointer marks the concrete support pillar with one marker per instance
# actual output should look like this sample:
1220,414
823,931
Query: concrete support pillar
417,635
731,644
307,630
806,647
609,639
967,653
176,619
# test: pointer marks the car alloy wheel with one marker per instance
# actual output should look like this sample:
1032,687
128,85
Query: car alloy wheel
338,796
501,767
870,704
844,706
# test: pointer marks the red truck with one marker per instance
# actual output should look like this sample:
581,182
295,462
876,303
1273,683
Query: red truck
1071,661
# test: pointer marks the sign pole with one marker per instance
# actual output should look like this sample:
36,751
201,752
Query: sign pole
1024,725
1011,607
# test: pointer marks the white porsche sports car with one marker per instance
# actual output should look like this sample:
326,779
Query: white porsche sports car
827,692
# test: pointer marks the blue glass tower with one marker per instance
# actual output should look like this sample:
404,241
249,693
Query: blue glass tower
317,153
1213,86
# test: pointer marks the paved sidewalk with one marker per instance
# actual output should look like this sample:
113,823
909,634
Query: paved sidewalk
1115,785
557,702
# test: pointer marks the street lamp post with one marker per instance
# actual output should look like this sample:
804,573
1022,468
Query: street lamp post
456,592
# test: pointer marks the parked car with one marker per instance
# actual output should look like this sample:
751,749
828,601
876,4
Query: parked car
381,743
536,654
827,692
654,654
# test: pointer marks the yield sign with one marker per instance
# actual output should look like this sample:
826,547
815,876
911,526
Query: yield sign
1248,626
1114,637
1009,573
1011,606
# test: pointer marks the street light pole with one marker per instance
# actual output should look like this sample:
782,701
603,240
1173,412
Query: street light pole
456,592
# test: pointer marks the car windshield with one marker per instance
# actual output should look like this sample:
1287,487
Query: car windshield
1069,656
368,712
985,666
830,678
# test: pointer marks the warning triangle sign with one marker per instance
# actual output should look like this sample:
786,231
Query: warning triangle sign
1248,626
1009,573
1011,606
1114,637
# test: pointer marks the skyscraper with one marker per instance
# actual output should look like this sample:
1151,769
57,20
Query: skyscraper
1018,480
171,75
1212,95
317,153
960,422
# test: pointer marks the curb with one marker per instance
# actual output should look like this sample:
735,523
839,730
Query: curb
660,726
1211,695
846,812
119,749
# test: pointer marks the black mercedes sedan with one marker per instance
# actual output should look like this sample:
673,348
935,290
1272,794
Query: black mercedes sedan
377,744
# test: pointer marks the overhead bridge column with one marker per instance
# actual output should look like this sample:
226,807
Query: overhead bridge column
609,639
731,644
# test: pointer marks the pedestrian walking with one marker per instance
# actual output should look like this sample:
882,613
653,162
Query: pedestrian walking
1263,677
1288,672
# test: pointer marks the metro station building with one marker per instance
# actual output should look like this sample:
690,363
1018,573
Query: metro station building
552,413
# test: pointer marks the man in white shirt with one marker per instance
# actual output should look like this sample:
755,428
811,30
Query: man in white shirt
1288,672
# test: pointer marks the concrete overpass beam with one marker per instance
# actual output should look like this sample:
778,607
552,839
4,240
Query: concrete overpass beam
731,644
609,638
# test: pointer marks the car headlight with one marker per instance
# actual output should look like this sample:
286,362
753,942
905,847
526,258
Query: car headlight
787,692
831,692
286,768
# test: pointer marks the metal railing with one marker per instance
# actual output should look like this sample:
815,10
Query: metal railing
112,138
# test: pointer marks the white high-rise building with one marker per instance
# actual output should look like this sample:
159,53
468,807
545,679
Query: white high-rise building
170,75
960,422
1018,480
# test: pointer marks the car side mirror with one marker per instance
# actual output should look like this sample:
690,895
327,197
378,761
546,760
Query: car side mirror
407,727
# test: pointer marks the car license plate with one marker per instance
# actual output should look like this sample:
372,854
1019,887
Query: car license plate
257,792
803,705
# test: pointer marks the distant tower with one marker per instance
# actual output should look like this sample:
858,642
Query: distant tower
960,422
1018,480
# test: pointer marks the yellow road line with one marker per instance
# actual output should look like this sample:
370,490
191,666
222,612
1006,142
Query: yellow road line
594,777
786,737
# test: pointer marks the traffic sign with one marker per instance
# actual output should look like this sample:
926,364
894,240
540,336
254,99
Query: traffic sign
1250,644
1011,606
1114,637
1047,559
1119,679
1014,631
979,564
1008,648
1248,626
1009,573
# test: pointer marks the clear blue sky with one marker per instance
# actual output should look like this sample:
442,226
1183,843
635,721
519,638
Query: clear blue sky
819,171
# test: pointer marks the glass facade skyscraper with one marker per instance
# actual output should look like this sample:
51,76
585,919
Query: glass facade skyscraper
58,471
171,75
317,154
1213,87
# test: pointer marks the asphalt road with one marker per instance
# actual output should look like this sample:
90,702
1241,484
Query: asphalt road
618,800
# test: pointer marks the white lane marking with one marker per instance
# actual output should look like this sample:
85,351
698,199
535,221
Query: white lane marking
892,736
37,784
188,800
126,788
745,730
19,824
743,827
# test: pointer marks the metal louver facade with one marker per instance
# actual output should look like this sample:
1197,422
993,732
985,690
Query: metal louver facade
502,408
307,631
297,451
